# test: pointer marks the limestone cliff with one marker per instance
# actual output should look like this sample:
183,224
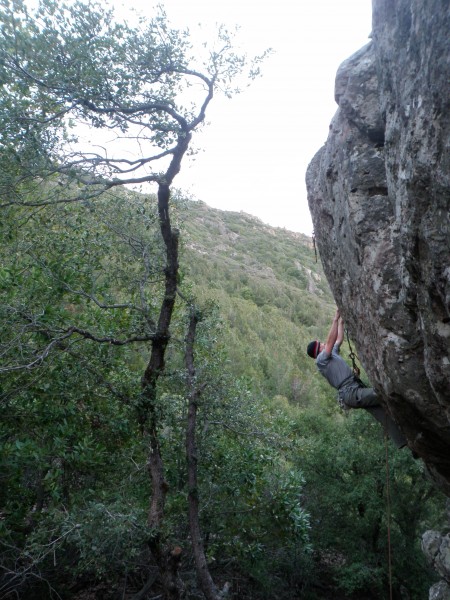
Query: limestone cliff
379,194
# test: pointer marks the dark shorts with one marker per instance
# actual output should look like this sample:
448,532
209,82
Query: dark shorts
359,397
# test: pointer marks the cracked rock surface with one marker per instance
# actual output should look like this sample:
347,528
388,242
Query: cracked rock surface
436,548
379,195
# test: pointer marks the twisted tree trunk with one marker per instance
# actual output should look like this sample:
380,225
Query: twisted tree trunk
168,559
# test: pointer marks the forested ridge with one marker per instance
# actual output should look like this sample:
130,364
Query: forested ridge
163,434
271,291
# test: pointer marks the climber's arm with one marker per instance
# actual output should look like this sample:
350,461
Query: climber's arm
333,334
340,335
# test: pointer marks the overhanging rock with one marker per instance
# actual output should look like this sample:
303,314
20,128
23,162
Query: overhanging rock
379,195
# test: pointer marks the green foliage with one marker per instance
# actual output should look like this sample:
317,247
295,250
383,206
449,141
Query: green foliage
71,451
71,70
271,316
105,537
289,489
344,464
255,511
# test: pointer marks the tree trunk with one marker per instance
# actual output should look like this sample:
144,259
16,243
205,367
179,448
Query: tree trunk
206,583
167,559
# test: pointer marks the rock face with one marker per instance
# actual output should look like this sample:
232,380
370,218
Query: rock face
436,548
379,195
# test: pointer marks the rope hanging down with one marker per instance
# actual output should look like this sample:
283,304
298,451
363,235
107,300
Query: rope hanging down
388,511
356,372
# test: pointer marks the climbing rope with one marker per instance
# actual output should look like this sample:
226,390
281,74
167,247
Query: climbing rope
356,372
388,510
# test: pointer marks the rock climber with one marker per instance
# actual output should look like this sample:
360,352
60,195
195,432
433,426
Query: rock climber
351,391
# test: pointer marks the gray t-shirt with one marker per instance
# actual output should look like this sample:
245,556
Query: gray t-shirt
333,367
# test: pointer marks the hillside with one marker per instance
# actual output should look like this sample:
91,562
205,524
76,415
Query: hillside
271,290
248,250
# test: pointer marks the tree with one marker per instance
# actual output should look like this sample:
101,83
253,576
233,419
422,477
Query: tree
65,66
68,69
74,464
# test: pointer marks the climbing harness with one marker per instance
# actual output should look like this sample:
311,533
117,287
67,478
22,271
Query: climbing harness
356,372
342,405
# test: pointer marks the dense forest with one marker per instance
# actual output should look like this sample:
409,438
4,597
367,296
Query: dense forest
292,492
163,433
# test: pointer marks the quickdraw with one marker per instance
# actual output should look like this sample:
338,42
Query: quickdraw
314,244
353,357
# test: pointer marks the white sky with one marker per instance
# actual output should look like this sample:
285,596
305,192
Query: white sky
258,144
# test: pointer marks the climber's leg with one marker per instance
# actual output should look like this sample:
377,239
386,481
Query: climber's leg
366,398
359,397
390,427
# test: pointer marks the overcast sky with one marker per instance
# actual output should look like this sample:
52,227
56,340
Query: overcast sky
257,146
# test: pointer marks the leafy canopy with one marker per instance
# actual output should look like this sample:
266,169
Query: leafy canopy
67,69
